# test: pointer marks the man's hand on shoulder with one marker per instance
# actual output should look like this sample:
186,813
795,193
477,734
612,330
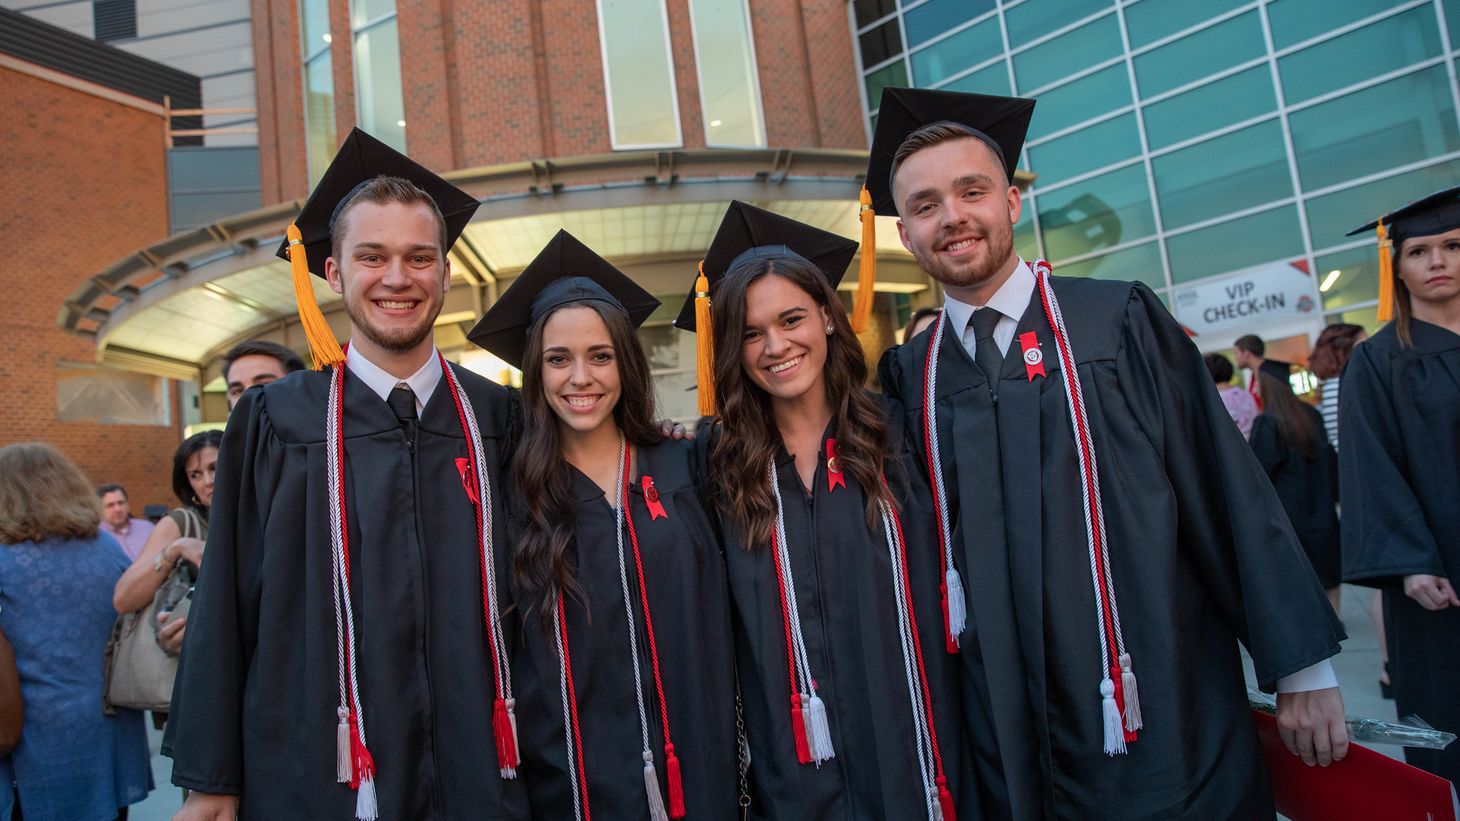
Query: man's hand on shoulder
1313,726
204,807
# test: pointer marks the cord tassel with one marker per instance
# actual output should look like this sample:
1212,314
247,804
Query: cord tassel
821,748
867,268
366,806
1385,308
704,346
651,789
1128,690
1110,712
504,728
945,801
798,730
323,347
957,605
343,763
676,782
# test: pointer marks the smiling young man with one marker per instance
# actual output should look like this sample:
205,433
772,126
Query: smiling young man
344,655
1139,542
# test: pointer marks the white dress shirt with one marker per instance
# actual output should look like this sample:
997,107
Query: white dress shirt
1011,300
422,382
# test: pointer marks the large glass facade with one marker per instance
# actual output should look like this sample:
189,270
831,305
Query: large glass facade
380,106
1177,141
319,86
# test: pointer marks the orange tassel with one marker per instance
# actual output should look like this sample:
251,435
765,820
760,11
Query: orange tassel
323,347
1386,275
867,270
676,782
704,345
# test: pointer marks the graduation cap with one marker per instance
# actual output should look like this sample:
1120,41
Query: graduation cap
564,271
307,244
745,232
1435,214
1277,370
998,122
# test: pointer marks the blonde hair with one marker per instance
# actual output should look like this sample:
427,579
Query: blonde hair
44,495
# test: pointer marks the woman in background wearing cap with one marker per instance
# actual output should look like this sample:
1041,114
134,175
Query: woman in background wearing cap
623,666
1400,416
1291,445
851,705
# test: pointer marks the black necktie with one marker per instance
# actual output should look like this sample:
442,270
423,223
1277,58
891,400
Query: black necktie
986,351
402,401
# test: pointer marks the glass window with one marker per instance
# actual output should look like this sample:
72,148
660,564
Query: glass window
1097,213
1033,19
1294,21
642,109
314,26
1150,20
319,87
868,11
1331,216
937,16
967,48
1080,100
1385,46
378,99
1232,246
1025,242
991,80
729,87
1067,54
1452,21
1085,150
1366,318
1195,56
1402,121
1229,173
1230,100
100,395
892,74
363,12
881,43
1352,276
1141,263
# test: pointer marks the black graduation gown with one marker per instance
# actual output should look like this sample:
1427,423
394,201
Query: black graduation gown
257,689
1201,553
1308,488
687,600
843,582
1400,415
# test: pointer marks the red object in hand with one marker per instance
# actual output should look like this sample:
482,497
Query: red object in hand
1364,785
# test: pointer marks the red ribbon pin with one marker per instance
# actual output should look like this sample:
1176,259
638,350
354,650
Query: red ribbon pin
468,479
651,498
834,477
1033,357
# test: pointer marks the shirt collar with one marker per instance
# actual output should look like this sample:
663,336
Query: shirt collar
422,382
1010,300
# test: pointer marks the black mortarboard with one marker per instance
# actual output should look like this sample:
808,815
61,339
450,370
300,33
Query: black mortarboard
1000,122
1276,369
360,159
746,230
1435,214
564,271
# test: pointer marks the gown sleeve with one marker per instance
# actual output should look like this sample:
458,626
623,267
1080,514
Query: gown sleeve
1266,444
1230,523
205,727
1385,537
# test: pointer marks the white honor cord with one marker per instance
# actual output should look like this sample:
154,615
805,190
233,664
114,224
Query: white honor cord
619,513
930,400
900,595
572,761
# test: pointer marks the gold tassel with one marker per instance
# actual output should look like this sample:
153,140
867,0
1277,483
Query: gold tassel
704,345
867,271
1386,275
323,347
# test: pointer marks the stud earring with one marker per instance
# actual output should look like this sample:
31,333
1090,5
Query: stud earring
830,330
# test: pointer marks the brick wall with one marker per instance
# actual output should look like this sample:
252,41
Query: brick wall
85,185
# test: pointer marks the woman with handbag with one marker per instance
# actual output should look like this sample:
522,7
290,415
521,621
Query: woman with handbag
56,571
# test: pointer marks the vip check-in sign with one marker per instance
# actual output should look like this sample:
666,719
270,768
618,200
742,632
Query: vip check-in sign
1278,293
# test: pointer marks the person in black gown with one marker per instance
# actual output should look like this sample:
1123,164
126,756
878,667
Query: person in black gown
623,662
1399,411
850,701
1116,536
1293,448
343,654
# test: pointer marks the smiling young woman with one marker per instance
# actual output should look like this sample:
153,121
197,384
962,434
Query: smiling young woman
616,565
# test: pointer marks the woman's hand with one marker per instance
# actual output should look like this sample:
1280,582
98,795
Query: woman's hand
170,632
135,588
190,550
204,807
1432,592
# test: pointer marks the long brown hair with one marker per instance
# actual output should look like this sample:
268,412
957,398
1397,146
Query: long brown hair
749,437
43,495
540,564
1403,311
1293,421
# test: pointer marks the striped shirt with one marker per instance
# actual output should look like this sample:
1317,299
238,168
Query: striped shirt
1328,406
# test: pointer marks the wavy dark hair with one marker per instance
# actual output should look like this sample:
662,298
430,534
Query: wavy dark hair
749,437
540,564
1332,350
181,487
